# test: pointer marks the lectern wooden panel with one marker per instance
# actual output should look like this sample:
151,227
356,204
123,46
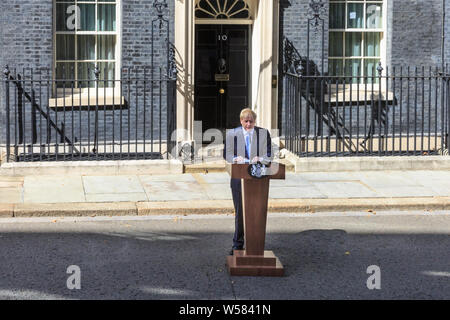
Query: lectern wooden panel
254,260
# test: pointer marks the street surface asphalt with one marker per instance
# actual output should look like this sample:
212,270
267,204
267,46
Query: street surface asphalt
325,255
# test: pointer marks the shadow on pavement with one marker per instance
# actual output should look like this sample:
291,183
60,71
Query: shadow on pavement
142,264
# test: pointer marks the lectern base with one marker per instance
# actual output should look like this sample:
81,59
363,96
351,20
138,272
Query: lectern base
241,264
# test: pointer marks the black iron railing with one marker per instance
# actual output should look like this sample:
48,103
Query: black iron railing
129,115
90,119
405,112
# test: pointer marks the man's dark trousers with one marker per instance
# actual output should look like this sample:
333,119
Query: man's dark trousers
236,190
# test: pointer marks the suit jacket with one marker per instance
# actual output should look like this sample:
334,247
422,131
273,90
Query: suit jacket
261,144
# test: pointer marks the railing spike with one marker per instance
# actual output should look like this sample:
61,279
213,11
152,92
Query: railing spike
379,68
6,72
96,72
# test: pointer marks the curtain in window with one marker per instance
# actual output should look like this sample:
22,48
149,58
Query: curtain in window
106,17
353,44
77,54
355,15
65,47
335,49
374,15
62,16
370,68
337,15
106,47
336,67
86,47
353,68
65,71
87,19
86,72
107,70
372,44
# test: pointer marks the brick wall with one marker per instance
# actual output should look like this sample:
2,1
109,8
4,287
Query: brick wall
27,41
416,28
413,37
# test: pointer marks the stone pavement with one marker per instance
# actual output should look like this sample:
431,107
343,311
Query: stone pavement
76,195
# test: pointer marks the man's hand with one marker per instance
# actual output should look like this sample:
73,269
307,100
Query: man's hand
256,159
238,160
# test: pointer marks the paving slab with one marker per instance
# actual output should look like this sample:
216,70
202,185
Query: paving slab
112,184
11,184
388,179
219,191
11,195
430,178
215,177
292,180
406,191
116,197
328,176
53,189
299,192
169,177
441,188
345,189
174,190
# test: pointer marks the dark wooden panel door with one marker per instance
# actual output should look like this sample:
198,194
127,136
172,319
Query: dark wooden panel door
221,50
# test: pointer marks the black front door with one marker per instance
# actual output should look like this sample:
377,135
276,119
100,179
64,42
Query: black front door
221,75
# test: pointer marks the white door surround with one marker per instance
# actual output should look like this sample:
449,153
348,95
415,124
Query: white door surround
264,62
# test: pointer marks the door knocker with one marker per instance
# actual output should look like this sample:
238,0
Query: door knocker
222,65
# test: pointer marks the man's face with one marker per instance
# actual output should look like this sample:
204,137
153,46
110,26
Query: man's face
248,123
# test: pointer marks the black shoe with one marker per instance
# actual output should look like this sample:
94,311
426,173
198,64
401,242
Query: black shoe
232,250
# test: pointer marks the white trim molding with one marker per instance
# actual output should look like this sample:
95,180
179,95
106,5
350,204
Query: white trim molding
264,44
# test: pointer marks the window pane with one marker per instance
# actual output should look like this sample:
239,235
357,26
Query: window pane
106,47
353,44
372,44
335,67
86,72
106,17
337,15
86,47
62,17
336,46
107,70
87,19
65,70
353,68
370,69
374,16
355,15
65,47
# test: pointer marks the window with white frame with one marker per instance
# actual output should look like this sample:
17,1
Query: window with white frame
86,35
356,31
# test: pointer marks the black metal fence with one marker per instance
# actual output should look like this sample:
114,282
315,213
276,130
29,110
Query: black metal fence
89,119
400,112
328,109
55,115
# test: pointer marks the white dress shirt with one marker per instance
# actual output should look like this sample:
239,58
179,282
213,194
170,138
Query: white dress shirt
250,134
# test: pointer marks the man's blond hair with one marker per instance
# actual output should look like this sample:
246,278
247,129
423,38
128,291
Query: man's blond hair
247,112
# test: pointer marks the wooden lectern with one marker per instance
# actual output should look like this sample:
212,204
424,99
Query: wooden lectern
254,260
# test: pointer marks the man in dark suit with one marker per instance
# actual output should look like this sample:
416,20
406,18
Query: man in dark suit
245,144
